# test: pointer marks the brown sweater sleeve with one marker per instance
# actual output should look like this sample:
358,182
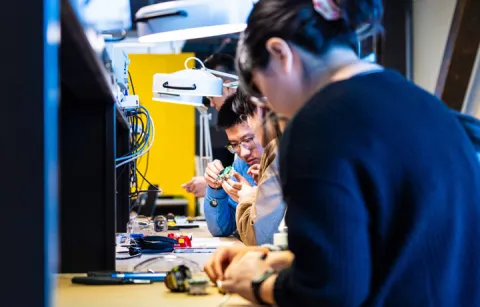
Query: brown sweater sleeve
246,214
245,217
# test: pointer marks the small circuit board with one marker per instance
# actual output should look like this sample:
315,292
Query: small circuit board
227,173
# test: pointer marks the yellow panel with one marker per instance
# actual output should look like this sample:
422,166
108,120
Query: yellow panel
172,156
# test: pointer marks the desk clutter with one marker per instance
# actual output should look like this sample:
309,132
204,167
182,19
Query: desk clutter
179,279
166,261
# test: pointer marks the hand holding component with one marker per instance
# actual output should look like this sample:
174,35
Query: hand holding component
223,257
211,173
254,171
232,188
240,274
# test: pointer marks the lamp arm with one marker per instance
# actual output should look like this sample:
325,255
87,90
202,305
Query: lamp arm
222,74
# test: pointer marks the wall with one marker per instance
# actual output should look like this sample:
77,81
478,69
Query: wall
171,160
431,23
472,99
432,20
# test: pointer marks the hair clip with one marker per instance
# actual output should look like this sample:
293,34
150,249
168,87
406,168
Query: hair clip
328,9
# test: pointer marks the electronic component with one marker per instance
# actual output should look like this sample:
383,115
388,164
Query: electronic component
198,286
160,223
176,279
183,240
226,174
219,287
171,220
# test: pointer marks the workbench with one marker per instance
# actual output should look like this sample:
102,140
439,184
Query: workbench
155,294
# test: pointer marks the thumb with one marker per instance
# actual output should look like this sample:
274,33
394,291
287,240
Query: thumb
241,179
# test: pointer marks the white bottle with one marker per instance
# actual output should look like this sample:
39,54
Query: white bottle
280,238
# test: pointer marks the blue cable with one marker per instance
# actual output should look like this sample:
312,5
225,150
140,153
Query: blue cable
139,151
147,133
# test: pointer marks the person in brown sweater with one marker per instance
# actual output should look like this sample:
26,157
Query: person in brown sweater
261,209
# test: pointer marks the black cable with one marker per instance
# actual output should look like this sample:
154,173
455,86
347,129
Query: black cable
146,170
131,82
147,180
143,135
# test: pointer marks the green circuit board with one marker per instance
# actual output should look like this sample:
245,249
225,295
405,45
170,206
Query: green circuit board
226,173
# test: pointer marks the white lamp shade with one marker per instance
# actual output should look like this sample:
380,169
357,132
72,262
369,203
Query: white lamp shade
191,19
196,101
190,82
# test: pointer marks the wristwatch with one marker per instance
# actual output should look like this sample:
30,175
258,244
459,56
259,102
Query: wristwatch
257,283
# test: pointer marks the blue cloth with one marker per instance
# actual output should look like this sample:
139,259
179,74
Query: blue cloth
269,204
382,186
221,219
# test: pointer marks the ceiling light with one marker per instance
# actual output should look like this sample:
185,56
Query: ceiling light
191,19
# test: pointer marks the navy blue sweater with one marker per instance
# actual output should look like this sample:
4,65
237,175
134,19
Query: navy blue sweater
383,192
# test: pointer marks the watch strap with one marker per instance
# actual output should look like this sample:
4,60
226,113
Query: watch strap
257,283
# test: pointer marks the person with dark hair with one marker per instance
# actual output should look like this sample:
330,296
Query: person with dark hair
380,179
223,63
222,196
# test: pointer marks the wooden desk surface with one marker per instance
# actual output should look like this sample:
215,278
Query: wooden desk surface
156,294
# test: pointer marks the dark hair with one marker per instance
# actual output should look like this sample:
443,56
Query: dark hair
221,62
227,117
242,104
297,22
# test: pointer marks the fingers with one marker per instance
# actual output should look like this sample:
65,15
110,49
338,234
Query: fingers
229,286
218,165
211,173
220,261
211,178
241,179
280,260
208,268
232,192
240,260
235,185
254,169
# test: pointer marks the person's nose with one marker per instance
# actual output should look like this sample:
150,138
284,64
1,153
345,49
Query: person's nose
244,152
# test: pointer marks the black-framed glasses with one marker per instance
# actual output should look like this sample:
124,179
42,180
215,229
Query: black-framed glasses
247,143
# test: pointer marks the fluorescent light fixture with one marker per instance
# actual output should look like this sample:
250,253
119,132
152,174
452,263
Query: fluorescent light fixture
191,19
105,15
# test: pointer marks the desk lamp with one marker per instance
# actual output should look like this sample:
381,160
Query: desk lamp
188,87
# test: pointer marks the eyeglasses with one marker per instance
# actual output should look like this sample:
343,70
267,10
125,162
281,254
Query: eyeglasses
233,84
247,143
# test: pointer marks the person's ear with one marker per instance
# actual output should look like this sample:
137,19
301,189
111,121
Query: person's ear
281,55
231,90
